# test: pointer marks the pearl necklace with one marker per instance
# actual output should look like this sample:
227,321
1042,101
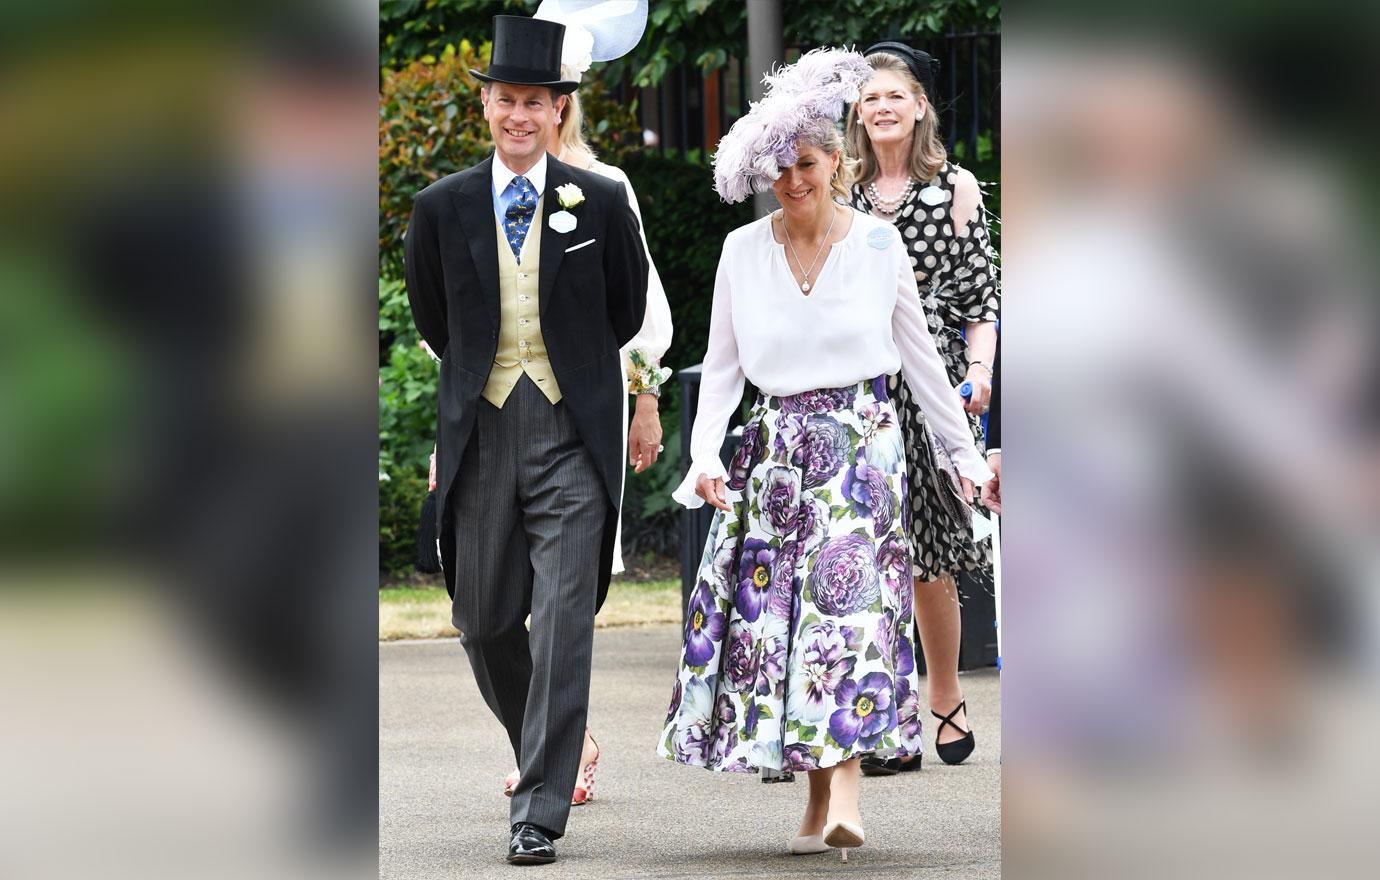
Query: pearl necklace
890,206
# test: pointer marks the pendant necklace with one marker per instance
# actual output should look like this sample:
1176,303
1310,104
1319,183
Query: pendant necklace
805,285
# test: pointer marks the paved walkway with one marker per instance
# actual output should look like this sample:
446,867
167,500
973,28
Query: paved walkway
442,758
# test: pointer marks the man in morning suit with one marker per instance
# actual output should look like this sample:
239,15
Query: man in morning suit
526,276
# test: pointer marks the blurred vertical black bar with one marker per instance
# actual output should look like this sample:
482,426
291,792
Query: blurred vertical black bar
742,87
723,111
683,101
994,106
975,89
951,93
662,116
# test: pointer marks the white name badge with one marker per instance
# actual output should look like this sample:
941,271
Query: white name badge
933,195
562,221
879,239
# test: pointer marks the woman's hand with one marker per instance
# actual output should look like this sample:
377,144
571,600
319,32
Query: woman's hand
991,493
965,486
644,434
981,398
713,491
431,472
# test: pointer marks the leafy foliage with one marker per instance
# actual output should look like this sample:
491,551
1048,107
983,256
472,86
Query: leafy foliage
407,424
861,22
704,33
699,32
419,30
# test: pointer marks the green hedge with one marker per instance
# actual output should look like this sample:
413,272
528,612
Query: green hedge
407,428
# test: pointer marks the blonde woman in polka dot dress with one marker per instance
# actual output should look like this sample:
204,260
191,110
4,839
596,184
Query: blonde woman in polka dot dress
905,177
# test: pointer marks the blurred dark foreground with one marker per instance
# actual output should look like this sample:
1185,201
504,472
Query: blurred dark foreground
188,441
1189,335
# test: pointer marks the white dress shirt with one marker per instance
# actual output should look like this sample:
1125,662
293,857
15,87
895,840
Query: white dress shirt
655,336
862,318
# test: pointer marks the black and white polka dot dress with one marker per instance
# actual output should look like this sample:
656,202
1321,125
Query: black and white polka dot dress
958,283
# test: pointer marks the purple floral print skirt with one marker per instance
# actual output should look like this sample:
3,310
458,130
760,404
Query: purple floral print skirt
797,653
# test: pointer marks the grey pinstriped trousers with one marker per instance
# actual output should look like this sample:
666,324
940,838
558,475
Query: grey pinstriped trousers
530,511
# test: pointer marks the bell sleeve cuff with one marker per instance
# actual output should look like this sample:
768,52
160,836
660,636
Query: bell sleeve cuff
685,493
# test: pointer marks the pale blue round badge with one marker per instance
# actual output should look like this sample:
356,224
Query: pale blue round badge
879,239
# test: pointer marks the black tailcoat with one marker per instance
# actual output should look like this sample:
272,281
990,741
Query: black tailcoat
592,301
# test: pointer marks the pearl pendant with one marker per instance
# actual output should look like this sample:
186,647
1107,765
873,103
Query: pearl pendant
805,287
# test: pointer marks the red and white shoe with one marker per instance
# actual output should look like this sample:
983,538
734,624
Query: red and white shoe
584,789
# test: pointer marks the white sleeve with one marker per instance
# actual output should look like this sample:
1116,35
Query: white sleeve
721,390
926,377
655,336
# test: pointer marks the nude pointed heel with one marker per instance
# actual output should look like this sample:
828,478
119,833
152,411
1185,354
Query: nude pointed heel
807,844
844,836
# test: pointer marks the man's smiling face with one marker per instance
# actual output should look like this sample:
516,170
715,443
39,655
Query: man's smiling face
521,119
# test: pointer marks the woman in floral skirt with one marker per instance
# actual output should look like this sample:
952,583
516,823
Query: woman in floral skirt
796,654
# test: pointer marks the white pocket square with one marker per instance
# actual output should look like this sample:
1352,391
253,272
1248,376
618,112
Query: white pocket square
580,245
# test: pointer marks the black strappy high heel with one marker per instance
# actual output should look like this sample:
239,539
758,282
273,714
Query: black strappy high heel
955,752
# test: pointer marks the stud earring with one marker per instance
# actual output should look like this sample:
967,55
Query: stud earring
919,117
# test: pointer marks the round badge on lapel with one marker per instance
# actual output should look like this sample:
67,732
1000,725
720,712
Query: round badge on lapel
562,221
933,195
879,239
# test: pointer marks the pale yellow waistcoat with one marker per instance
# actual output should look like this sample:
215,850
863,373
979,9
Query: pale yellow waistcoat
520,346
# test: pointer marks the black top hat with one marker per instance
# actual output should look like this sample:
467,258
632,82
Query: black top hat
527,52
923,66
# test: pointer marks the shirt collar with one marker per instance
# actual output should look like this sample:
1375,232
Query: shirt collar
503,175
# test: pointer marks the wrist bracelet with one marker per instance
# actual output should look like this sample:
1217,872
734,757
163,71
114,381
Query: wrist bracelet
986,366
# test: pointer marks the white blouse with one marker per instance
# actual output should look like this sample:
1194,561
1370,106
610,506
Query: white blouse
863,318
655,336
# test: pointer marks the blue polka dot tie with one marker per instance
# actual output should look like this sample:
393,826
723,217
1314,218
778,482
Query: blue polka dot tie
518,217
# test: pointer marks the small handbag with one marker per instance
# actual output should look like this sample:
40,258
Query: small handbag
428,557
947,481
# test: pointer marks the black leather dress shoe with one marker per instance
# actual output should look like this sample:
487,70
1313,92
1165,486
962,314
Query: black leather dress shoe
530,846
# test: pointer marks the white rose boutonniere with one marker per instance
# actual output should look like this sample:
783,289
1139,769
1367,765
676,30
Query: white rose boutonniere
570,195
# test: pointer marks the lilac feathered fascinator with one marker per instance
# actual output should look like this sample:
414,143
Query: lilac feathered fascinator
798,96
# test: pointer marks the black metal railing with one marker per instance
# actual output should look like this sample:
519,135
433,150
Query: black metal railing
969,100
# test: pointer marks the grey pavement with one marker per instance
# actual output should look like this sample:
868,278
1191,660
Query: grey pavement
443,756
